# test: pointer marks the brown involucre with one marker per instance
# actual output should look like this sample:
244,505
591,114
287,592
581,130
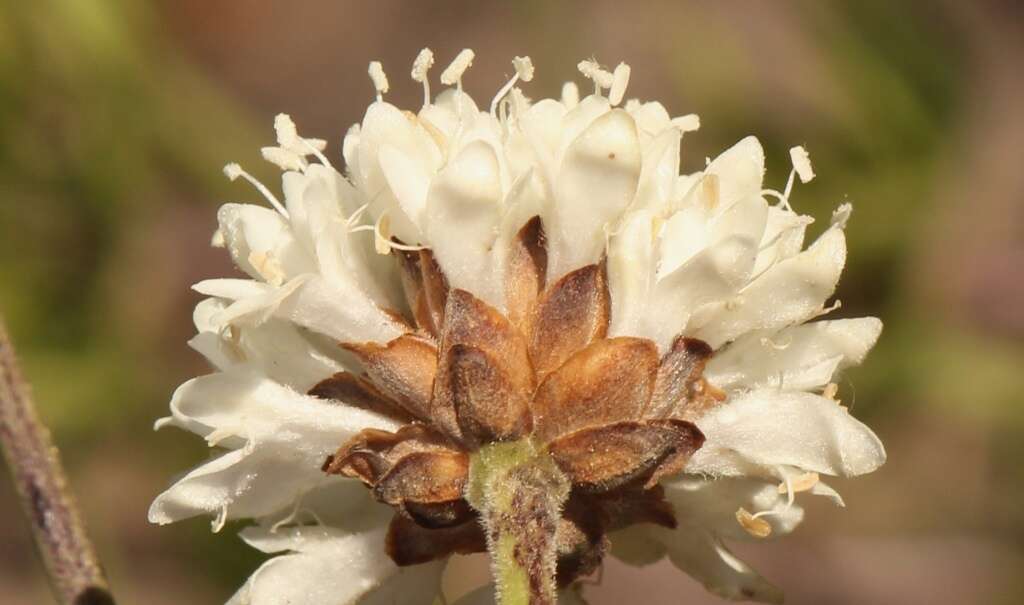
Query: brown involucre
613,415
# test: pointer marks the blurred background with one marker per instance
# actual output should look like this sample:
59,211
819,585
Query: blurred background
117,115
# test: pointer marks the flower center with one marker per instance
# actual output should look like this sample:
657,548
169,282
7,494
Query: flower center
530,418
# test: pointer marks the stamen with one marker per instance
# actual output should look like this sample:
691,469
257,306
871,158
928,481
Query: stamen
453,73
830,392
268,266
570,95
710,190
233,171
217,239
800,483
620,79
380,79
802,163
524,72
424,61
222,517
753,524
285,159
688,123
287,133
842,215
783,200
355,216
382,243
592,70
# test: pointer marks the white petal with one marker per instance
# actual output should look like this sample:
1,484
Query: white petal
712,503
740,171
284,438
783,237
261,243
800,358
463,211
408,179
344,315
631,271
597,181
660,170
715,273
384,124
708,561
790,292
330,567
757,431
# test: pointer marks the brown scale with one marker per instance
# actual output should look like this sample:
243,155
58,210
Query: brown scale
613,415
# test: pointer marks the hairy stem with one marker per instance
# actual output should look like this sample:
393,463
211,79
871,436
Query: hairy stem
519,493
71,562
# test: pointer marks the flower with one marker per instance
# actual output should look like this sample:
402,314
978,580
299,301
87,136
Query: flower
520,324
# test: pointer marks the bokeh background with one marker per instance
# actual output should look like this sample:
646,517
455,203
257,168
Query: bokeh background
116,116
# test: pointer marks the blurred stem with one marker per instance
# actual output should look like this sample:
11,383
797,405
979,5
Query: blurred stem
71,562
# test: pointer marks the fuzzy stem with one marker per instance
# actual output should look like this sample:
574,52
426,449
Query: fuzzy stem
519,493
71,562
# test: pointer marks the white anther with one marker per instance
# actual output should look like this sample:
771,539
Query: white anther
217,240
380,79
830,391
710,190
233,171
424,61
285,159
620,79
802,163
382,235
842,215
602,79
524,72
688,123
287,134
523,67
570,95
453,73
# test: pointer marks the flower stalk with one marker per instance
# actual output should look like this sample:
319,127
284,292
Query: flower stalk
71,562
519,493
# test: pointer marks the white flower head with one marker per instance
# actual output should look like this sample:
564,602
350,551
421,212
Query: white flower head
539,277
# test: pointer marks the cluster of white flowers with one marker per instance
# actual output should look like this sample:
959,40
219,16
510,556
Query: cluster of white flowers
713,255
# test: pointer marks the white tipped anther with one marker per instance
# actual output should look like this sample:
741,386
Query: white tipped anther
602,79
620,79
710,188
233,171
217,240
802,164
453,73
570,95
380,79
842,215
285,159
687,123
523,67
424,61
287,134
524,72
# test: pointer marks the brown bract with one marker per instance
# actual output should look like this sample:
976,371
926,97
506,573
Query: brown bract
611,413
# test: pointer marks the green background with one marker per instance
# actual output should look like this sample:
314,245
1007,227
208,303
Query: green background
116,117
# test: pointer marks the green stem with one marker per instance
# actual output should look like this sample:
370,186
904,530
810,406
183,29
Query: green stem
519,493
